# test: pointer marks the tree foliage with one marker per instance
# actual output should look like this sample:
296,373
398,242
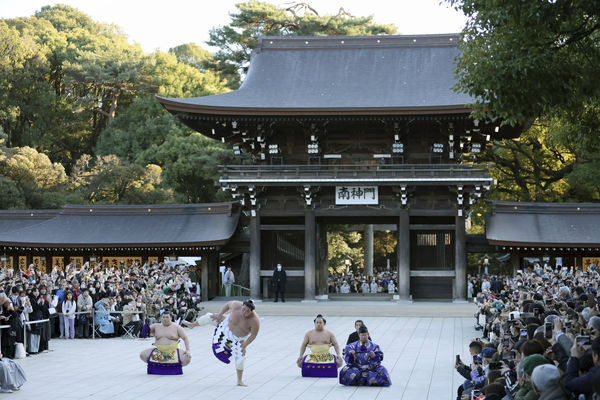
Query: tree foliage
524,59
191,166
77,98
536,61
108,179
341,245
193,55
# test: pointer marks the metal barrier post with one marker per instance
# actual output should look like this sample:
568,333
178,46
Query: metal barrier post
47,320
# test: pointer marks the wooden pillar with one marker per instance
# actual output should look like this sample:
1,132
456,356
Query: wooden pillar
310,254
324,257
255,255
322,260
368,249
48,267
403,255
29,258
460,260
204,276
214,281
515,262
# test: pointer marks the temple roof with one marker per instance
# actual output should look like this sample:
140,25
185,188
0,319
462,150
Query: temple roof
17,219
546,224
342,75
128,225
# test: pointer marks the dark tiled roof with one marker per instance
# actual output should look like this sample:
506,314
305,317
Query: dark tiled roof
544,224
337,74
139,225
17,219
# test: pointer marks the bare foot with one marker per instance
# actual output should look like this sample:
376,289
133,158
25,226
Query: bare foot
240,383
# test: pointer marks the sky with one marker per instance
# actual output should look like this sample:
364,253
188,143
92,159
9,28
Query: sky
163,24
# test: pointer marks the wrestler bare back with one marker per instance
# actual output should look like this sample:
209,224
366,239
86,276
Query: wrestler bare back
242,321
319,336
166,333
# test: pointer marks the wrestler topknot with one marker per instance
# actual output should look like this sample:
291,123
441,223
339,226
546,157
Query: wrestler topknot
320,316
250,304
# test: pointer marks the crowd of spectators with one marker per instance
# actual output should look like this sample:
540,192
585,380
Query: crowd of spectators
540,336
117,300
381,282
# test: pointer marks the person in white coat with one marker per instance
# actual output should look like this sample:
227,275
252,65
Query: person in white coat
374,286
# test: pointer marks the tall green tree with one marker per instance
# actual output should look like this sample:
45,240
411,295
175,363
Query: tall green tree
254,18
32,180
531,169
536,61
171,78
193,55
110,69
109,180
74,76
523,59
341,245
190,166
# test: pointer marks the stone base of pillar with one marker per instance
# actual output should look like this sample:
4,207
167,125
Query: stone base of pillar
322,297
308,301
397,299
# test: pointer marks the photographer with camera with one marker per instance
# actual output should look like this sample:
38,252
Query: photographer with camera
474,374
582,384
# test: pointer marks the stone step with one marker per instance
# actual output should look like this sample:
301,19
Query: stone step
361,297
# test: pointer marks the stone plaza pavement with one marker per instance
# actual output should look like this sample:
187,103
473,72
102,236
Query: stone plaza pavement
419,341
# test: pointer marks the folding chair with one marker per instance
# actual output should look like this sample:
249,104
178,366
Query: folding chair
96,330
128,331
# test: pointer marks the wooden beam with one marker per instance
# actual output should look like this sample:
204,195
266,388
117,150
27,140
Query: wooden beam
432,227
289,272
282,227
431,273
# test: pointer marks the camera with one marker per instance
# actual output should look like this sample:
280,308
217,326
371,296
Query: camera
584,341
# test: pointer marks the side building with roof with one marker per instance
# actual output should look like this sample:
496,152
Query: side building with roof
115,235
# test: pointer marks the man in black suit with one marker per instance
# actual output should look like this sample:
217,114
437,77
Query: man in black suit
354,335
279,278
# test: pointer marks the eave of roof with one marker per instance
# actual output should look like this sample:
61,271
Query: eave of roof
174,106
